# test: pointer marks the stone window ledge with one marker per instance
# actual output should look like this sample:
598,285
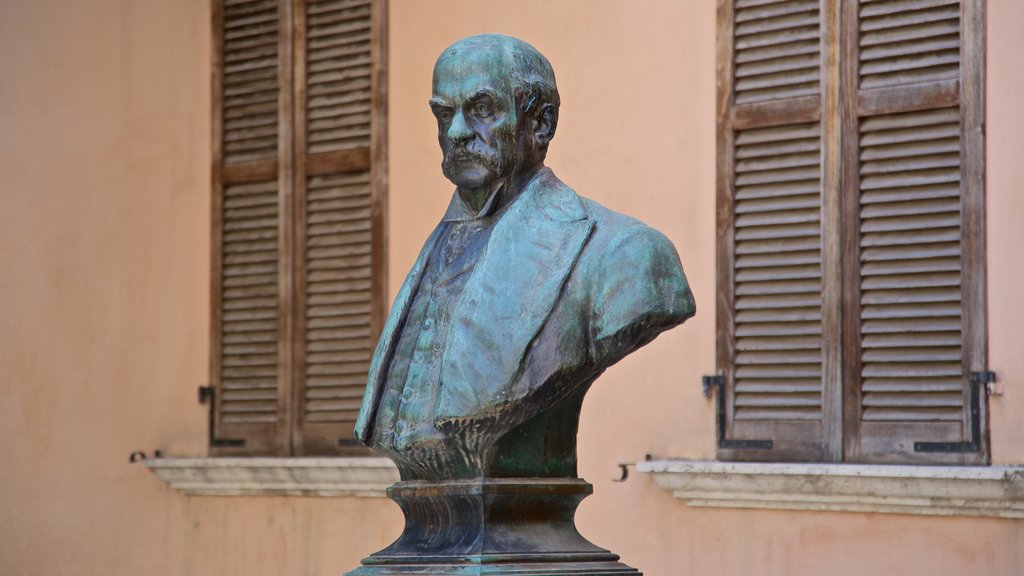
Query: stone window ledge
993,491
326,477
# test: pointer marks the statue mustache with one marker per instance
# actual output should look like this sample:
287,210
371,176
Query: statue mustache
490,161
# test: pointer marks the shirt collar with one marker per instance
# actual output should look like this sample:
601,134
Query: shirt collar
459,211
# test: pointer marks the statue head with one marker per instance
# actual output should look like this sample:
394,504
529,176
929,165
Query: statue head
496,106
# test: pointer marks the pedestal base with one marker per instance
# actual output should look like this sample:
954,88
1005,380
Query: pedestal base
497,527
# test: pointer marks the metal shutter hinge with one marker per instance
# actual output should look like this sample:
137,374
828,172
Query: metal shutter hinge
980,381
717,381
988,378
206,396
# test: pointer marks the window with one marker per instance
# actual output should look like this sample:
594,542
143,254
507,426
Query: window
298,221
851,317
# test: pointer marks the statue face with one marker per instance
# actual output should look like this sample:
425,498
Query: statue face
476,117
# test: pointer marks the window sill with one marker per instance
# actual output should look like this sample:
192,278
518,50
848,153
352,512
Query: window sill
993,491
325,477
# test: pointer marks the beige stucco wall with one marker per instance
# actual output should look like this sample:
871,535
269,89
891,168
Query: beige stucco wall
104,242
1005,173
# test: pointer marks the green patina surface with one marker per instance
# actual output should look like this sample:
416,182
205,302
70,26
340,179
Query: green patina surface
521,297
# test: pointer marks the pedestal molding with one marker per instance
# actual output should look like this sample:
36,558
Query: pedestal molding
324,477
992,491
493,527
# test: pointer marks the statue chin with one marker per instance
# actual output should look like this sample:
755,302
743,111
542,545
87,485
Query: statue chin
471,175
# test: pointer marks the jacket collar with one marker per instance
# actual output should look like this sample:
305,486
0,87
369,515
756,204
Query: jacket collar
510,294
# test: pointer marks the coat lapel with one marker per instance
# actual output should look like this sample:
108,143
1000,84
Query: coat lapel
388,341
510,294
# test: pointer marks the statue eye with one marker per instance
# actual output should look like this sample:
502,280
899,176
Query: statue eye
445,116
483,111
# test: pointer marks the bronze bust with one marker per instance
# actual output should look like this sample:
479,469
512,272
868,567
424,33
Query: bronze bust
521,297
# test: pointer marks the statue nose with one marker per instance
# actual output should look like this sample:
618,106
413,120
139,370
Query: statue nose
458,131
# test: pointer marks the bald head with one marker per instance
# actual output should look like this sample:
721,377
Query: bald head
528,73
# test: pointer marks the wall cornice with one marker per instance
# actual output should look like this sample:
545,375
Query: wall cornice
994,491
325,477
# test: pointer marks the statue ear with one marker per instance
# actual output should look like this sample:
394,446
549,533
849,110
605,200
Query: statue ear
545,120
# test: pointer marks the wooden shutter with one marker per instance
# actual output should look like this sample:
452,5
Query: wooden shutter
915,319
249,313
774,296
851,250
339,181
298,237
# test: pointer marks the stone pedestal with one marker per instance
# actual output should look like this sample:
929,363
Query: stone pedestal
508,526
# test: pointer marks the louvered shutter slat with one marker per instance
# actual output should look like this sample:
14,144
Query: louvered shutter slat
911,356
776,50
919,311
908,41
338,56
249,306
250,81
778,300
338,301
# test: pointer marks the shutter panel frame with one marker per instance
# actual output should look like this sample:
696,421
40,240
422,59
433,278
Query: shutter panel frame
317,164
892,439
792,440
240,171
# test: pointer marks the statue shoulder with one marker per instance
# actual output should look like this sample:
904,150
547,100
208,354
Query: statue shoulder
618,236
631,267
621,250
633,283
